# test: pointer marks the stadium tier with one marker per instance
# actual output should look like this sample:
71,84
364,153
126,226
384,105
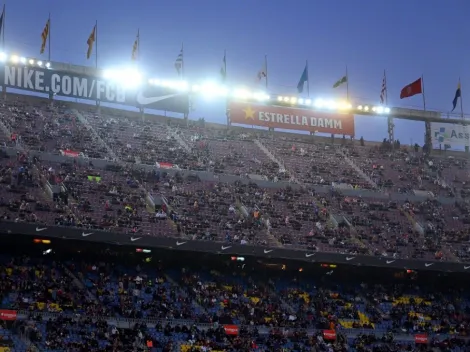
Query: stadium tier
126,177
68,296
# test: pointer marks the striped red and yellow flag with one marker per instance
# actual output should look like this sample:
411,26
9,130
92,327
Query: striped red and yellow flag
90,42
45,35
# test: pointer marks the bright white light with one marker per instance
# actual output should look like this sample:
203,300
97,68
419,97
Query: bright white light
31,61
15,59
379,109
129,77
286,99
181,85
196,88
279,98
308,102
301,101
212,89
293,100
23,60
366,108
319,103
332,105
48,65
241,93
261,96
3,56
39,63
359,107
387,110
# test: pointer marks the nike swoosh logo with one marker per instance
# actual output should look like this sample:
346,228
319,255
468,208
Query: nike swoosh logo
428,264
142,100
39,229
466,267
390,261
266,251
350,258
135,238
224,248
180,243
307,255
87,234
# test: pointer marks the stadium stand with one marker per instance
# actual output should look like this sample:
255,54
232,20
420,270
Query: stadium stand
385,200
71,296
71,165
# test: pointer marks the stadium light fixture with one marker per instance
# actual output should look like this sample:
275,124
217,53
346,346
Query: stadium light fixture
3,57
48,65
23,60
15,59
31,61
39,63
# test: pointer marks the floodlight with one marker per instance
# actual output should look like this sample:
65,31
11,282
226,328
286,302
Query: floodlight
15,59
331,105
359,107
293,100
387,110
308,102
301,101
241,93
379,109
286,99
318,103
279,98
39,63
261,96
48,65
3,57
366,108
23,60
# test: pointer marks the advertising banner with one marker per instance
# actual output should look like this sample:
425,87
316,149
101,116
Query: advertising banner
450,134
329,335
231,330
80,86
6,314
70,153
421,338
291,118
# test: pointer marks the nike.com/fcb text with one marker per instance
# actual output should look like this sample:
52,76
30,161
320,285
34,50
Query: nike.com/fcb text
67,85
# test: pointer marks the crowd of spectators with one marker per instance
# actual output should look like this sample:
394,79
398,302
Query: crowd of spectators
305,192
105,305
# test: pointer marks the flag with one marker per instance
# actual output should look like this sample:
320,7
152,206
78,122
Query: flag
90,42
44,36
263,72
179,62
383,92
223,68
458,94
135,47
341,81
412,89
303,79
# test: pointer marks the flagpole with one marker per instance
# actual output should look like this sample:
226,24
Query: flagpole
347,84
225,64
308,79
96,44
138,45
3,28
461,103
424,98
266,67
182,60
49,38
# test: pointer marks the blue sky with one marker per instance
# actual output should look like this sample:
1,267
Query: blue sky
407,38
